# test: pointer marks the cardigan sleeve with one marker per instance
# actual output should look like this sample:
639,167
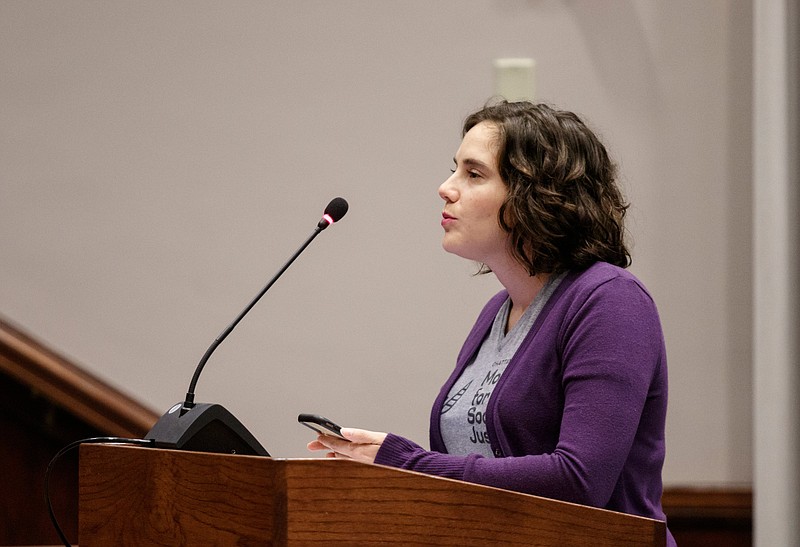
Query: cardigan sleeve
397,451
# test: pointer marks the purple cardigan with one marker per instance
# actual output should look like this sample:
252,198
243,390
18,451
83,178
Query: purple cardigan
579,412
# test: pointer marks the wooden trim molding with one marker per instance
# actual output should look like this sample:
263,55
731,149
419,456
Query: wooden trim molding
708,503
64,383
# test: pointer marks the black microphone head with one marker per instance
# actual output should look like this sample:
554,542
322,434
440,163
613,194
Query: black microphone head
334,212
337,208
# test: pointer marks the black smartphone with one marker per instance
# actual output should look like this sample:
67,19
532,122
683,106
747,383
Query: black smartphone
320,424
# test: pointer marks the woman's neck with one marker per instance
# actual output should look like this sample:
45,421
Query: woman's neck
521,286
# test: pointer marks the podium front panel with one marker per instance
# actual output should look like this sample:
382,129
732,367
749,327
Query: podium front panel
132,496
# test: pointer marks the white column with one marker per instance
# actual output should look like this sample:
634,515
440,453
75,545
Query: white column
776,420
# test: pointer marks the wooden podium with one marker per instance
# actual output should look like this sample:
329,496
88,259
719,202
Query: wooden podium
144,496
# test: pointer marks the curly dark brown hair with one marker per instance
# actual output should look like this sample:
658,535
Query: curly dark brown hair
564,210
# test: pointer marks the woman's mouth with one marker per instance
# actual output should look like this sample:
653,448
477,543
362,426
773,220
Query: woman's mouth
447,219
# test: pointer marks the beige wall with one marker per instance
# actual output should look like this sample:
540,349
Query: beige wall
160,161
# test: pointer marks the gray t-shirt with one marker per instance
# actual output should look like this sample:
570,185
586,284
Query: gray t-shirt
463,415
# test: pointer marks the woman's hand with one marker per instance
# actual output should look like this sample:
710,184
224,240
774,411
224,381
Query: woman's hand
361,445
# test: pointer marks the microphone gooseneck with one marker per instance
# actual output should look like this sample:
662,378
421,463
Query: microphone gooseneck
334,212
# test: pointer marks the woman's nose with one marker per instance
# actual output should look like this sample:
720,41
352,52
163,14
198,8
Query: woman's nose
447,190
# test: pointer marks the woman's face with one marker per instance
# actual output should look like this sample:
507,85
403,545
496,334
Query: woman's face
472,198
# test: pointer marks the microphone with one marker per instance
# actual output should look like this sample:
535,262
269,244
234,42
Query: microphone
209,427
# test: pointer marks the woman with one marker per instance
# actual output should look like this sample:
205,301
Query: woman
560,389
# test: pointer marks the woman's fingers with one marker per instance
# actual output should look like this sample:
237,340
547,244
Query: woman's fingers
362,436
360,444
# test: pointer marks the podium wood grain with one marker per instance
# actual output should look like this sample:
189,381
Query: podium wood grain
139,496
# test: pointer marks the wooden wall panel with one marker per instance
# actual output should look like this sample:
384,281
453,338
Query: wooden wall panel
47,402
710,517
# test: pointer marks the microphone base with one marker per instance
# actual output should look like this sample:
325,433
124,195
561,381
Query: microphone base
205,427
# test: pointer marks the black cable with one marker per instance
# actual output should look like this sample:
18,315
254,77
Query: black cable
70,446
